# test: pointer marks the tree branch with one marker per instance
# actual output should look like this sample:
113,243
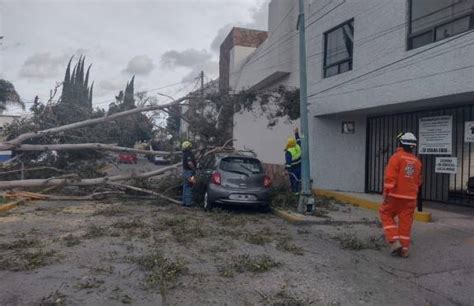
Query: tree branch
23,137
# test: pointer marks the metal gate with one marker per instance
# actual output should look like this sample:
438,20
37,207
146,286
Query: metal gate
381,144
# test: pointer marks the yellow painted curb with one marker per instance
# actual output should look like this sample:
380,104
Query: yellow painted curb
364,203
288,216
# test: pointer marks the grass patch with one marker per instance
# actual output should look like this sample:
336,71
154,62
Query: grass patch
352,242
111,211
28,261
226,218
54,298
243,263
161,272
89,283
184,230
94,231
129,225
259,238
71,240
285,245
283,298
20,244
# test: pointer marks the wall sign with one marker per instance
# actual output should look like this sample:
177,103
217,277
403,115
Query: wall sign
446,165
436,135
348,127
469,131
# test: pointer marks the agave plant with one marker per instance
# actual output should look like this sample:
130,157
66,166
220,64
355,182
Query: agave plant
8,95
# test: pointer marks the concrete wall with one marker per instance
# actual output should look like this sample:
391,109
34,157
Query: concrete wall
338,160
279,53
380,34
386,77
238,56
251,131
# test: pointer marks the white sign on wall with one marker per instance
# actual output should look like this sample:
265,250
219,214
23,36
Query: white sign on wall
469,131
436,135
446,165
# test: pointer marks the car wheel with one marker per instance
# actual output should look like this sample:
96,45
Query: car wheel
207,202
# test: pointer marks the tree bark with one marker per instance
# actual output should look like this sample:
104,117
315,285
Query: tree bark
83,182
11,144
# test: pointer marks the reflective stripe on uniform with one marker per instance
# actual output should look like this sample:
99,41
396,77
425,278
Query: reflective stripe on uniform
401,196
390,226
405,238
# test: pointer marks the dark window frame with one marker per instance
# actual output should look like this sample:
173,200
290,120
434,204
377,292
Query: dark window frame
433,28
349,60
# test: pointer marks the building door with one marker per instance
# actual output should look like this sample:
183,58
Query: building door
455,188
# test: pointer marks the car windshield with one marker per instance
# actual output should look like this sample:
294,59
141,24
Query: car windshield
241,165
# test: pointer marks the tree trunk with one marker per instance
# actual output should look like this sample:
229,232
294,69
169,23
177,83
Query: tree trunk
83,182
83,146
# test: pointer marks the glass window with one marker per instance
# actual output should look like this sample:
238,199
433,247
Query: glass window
445,18
339,43
241,165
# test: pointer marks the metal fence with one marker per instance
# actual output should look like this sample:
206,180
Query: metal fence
382,143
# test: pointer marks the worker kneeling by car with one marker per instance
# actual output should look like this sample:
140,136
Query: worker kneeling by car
234,179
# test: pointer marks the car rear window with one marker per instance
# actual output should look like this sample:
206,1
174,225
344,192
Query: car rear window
241,164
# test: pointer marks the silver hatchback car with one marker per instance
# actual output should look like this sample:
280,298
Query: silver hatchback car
233,179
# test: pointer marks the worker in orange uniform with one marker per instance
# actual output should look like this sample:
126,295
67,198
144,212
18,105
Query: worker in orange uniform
401,183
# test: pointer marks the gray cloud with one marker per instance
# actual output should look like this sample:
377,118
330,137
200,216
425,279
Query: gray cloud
140,65
185,58
43,65
196,60
259,21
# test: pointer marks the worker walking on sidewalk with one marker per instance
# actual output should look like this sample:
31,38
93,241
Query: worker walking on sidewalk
293,161
401,183
189,168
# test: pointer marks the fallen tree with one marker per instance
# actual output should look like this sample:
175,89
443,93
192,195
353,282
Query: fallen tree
82,182
16,142
84,146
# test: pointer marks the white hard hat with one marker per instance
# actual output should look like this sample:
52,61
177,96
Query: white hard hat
408,139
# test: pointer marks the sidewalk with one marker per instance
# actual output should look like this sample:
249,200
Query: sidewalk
366,200
441,259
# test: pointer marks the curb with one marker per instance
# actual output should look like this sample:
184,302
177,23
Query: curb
288,216
364,203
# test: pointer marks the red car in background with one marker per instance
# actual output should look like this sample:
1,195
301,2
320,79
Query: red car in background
127,158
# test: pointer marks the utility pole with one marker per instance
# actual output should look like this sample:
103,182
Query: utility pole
306,200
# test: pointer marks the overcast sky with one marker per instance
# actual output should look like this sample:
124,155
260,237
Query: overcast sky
162,42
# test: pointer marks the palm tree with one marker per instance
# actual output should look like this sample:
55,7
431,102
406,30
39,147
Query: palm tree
8,95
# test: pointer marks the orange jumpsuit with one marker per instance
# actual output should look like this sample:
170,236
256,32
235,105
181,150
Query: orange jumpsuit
401,183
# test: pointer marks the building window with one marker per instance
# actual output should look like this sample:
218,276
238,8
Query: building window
338,48
434,20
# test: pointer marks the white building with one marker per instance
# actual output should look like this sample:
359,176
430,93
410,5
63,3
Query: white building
379,68
375,68
260,60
